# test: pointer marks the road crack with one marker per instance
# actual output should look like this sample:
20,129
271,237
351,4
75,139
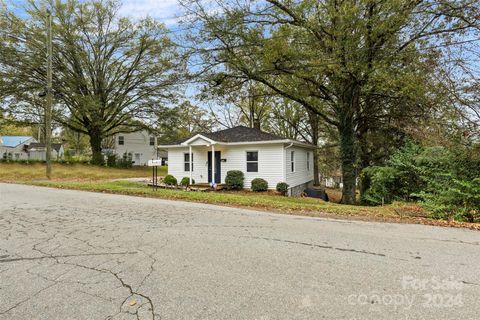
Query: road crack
313,245
66,256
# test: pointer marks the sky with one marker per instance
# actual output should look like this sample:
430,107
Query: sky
162,10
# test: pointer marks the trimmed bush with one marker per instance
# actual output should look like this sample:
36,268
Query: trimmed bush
186,181
258,184
234,179
170,180
282,187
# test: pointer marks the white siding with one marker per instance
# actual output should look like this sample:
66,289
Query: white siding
273,163
138,144
270,162
41,154
17,151
176,162
301,174
199,142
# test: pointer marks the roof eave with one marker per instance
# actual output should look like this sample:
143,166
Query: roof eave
283,141
195,137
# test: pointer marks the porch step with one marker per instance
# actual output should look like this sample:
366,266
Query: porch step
199,189
220,186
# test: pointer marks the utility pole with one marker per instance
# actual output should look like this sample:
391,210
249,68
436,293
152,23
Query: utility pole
49,99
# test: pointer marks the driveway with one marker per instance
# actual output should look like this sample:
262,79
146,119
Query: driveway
78,255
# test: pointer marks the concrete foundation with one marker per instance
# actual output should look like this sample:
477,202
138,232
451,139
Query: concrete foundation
298,190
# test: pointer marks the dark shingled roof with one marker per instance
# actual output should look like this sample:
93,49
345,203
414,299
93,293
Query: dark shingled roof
241,134
237,134
37,145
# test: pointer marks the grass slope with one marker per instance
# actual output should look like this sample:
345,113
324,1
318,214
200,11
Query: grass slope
99,179
244,199
22,172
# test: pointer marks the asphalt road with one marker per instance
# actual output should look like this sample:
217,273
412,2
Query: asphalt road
79,255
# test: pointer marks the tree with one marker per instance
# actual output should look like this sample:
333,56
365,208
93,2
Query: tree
245,102
176,123
259,107
254,103
108,71
75,142
355,64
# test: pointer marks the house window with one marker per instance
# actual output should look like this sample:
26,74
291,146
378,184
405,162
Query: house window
186,161
152,141
17,156
252,161
121,140
292,161
308,161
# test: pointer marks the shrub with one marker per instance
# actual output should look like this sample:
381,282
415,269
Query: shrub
234,179
186,181
457,199
125,161
258,184
170,180
383,181
445,181
282,187
112,160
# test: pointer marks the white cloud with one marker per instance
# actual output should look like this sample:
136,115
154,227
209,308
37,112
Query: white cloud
163,10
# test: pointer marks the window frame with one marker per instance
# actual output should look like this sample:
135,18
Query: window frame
250,161
152,141
292,162
121,140
186,163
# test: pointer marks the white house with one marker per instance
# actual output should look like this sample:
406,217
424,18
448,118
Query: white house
256,153
27,148
37,151
141,145
15,147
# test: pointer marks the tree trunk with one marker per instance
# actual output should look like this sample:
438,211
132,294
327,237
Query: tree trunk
314,128
365,155
96,139
348,152
348,107
256,124
316,169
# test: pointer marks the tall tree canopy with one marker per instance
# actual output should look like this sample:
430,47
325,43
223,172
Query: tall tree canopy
176,123
108,71
358,65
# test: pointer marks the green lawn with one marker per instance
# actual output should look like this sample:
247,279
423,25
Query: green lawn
22,172
301,206
108,180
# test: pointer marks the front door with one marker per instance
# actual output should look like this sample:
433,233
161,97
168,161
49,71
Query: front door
218,168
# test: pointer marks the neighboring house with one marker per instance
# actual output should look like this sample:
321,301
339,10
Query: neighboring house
15,147
256,153
37,151
163,155
141,145
332,179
